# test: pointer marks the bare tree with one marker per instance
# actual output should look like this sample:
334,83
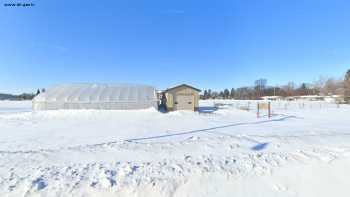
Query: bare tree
289,89
260,86
329,87
332,86
319,84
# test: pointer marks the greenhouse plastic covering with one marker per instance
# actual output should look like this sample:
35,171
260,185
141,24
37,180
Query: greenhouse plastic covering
96,96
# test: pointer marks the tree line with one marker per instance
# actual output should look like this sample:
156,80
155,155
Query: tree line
19,97
323,86
24,96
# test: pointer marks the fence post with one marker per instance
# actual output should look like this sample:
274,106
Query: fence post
257,113
269,108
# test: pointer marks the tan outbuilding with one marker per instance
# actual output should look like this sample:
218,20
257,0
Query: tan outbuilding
182,97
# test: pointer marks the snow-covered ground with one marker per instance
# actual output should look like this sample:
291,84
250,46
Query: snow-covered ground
303,150
15,106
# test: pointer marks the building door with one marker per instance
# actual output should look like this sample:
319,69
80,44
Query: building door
184,102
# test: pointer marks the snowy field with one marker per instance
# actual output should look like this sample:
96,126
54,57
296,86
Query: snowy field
302,150
15,106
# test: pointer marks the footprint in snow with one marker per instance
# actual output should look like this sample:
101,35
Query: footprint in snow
39,183
279,187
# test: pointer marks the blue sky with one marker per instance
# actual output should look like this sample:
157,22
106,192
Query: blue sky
219,43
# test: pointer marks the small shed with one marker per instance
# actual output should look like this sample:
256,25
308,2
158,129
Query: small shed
182,97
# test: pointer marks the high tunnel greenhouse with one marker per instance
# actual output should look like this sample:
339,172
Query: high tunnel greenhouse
96,96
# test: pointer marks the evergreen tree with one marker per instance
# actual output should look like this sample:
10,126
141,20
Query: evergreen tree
226,93
205,94
303,89
347,86
37,92
221,94
210,96
232,93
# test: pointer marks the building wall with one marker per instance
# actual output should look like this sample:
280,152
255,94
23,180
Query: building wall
96,105
169,101
170,95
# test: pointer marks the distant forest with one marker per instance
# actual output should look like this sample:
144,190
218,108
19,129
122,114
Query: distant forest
24,96
260,88
20,97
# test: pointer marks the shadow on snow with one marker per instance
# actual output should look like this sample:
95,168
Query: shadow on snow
260,146
209,129
207,110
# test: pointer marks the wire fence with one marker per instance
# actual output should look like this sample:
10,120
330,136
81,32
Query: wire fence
276,106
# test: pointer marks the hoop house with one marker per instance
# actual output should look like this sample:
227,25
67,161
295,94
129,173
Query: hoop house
96,96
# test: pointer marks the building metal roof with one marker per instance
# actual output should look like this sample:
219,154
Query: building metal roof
183,85
91,93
